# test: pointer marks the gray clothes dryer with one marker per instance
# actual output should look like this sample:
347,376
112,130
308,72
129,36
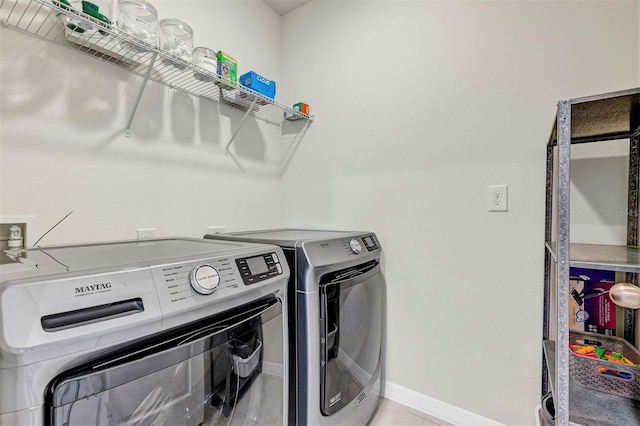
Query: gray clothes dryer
335,299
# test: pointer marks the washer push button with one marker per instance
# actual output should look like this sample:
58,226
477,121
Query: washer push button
274,265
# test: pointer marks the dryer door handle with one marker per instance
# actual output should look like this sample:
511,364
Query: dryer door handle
355,274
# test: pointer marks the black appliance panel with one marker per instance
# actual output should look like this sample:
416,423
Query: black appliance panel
370,242
259,268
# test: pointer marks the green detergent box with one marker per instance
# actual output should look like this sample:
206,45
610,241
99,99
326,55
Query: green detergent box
227,70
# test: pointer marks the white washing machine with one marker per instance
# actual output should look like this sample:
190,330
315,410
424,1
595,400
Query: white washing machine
336,312
165,331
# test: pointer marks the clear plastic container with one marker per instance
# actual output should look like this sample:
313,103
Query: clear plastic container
97,16
176,37
245,365
139,19
205,58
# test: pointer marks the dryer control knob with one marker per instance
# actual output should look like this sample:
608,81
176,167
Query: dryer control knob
355,246
204,279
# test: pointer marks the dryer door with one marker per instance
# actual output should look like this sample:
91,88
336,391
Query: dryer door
223,369
350,334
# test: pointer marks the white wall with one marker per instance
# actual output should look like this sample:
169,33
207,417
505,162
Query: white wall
420,106
62,143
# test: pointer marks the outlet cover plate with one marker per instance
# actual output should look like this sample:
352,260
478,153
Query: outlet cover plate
146,233
217,229
497,198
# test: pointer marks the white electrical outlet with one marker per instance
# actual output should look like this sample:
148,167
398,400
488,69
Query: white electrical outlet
497,200
219,229
146,233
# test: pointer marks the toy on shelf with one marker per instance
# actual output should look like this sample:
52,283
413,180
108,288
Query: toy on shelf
603,354
300,107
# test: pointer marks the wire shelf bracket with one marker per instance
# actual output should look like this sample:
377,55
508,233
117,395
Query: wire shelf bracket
127,130
244,118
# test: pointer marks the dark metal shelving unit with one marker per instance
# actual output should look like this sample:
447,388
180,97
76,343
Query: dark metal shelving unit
610,116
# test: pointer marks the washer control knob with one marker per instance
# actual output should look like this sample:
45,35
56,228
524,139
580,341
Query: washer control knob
355,246
204,279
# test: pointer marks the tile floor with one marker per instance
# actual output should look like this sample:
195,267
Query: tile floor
391,413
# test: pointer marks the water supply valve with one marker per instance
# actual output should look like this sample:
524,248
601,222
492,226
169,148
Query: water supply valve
15,237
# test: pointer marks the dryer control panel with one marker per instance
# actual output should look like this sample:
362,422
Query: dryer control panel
259,268
370,242
358,244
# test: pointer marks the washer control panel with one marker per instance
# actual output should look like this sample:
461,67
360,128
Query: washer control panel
259,268
188,285
185,283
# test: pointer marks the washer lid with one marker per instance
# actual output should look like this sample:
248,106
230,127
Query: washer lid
284,237
37,262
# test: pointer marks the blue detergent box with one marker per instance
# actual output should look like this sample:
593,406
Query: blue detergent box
255,81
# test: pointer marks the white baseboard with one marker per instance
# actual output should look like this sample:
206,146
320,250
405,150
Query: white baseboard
434,407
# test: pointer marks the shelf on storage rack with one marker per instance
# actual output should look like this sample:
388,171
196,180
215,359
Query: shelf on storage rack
592,408
602,256
43,19
603,117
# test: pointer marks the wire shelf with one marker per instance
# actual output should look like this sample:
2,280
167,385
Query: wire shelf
48,20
